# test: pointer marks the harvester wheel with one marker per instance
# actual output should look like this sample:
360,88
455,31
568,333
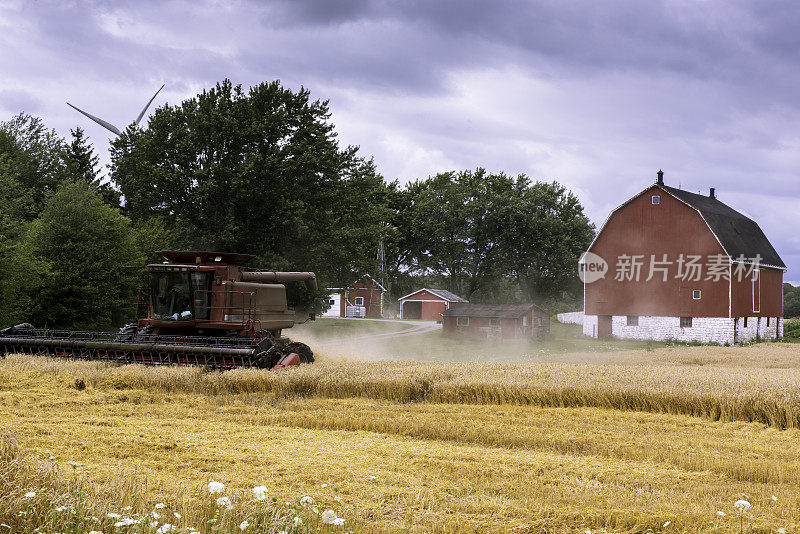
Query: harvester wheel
302,350
127,332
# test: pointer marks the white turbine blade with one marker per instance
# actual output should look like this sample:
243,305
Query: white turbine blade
98,120
139,118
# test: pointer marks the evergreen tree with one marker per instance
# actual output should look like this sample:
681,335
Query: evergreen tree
82,162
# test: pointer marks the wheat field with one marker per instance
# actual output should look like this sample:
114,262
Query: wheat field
641,440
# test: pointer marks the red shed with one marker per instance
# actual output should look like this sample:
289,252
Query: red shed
684,266
498,321
427,304
364,298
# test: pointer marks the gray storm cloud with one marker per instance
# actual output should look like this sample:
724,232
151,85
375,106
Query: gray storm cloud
595,95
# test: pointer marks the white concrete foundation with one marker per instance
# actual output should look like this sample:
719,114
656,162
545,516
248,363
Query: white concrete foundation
704,329
570,317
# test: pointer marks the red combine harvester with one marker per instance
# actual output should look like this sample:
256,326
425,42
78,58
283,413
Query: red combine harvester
203,308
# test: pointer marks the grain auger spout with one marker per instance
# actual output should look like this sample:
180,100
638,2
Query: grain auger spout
310,279
201,308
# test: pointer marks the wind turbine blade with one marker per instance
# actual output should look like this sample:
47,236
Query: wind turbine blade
98,120
139,118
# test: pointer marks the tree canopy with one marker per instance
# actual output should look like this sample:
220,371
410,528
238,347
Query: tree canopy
71,265
261,171
258,171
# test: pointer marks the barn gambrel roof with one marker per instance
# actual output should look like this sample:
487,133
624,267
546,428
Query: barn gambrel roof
737,234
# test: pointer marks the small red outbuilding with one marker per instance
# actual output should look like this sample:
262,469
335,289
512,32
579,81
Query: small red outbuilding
427,304
498,321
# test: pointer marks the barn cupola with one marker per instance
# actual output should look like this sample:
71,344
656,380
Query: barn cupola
711,193
660,179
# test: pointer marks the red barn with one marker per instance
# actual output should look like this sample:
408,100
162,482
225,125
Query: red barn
427,304
671,264
496,321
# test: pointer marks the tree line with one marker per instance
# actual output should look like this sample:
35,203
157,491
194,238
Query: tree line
261,171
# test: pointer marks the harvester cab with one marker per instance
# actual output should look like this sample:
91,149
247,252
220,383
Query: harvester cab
198,308
211,293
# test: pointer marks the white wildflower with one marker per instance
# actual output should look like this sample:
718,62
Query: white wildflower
324,486
112,515
61,508
244,524
337,499
166,527
328,517
52,457
281,532
177,515
95,519
260,492
305,501
155,515
297,521
95,532
373,477
224,501
216,487
665,525
339,522
774,498
125,522
781,530
30,495
721,513
742,505
154,524
160,505
128,508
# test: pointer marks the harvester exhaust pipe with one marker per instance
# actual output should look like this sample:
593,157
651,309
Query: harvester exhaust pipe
309,278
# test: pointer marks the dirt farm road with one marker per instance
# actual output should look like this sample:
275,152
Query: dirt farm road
414,328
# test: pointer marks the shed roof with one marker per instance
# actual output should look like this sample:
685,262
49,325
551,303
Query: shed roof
441,293
738,235
511,311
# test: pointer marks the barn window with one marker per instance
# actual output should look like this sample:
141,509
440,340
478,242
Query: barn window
686,322
633,320
656,199
462,321
331,302
745,322
359,301
494,321
538,321
767,321
696,294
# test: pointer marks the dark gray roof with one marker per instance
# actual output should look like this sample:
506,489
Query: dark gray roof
737,233
452,297
466,309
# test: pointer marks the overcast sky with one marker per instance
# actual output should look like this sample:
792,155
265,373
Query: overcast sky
596,95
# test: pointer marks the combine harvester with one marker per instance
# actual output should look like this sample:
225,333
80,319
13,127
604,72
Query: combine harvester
203,309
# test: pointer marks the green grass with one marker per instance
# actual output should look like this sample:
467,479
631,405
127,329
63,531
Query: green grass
332,327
